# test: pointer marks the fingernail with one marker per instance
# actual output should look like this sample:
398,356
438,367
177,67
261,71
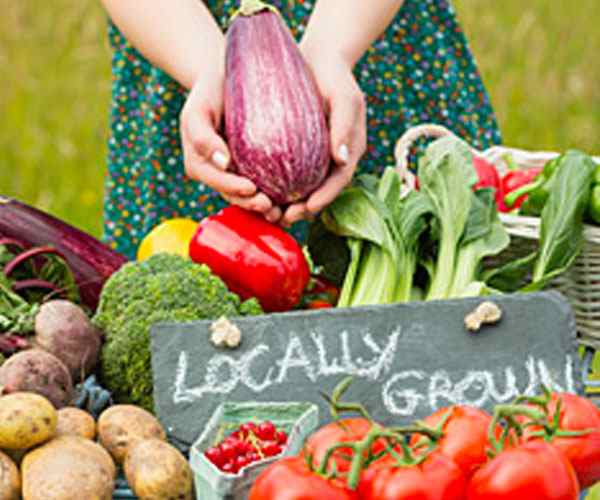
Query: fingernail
220,159
344,153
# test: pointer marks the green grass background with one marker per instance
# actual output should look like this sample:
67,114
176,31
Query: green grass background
540,60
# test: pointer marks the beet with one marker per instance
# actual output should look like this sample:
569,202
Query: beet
63,329
39,372
274,117
91,262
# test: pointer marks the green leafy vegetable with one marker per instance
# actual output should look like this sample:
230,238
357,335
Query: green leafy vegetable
446,175
561,231
484,236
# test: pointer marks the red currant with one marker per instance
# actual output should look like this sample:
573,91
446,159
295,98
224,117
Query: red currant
281,437
215,456
227,450
271,448
241,462
266,431
247,429
228,468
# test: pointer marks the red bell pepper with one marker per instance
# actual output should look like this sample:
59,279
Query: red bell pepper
253,257
513,180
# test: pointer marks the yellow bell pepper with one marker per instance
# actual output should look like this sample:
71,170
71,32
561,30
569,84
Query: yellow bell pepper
171,236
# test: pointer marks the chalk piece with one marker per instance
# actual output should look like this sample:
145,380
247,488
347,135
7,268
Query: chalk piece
407,360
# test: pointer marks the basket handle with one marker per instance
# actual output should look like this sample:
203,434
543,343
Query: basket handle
402,150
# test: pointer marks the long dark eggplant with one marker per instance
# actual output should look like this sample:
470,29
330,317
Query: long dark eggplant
91,261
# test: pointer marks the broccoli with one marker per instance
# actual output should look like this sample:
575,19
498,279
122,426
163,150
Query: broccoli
163,288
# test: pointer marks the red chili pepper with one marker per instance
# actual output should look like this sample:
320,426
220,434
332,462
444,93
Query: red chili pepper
512,181
253,257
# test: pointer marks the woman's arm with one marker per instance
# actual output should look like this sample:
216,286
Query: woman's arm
181,37
347,28
338,34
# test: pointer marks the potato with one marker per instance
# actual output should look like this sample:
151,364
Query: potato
75,422
122,425
26,420
37,371
67,468
10,481
63,329
155,470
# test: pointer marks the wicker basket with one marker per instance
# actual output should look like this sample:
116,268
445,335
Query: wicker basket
581,284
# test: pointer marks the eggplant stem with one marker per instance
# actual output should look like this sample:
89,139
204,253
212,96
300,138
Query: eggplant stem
251,7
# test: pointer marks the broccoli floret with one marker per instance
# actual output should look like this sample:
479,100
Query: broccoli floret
163,288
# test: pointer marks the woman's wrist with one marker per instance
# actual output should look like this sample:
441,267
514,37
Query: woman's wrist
317,52
208,66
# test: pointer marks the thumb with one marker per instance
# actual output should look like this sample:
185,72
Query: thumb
206,142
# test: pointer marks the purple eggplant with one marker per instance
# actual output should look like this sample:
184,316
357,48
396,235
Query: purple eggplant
274,116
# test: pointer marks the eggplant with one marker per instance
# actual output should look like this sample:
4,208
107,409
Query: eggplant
91,261
275,121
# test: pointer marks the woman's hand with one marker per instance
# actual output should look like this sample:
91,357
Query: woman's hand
346,109
205,153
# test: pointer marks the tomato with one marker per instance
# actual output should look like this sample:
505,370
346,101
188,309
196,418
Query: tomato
436,478
583,452
533,470
291,479
347,430
465,439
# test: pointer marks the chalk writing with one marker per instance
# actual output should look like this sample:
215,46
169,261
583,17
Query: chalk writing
402,392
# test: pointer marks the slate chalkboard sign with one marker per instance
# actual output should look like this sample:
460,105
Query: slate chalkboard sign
407,360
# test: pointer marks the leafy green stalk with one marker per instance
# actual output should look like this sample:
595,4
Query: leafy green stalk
561,231
484,236
411,218
355,246
446,175
364,215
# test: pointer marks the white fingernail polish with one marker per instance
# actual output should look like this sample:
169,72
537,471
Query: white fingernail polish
344,153
220,160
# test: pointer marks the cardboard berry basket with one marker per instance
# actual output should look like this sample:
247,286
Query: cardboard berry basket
581,284
298,420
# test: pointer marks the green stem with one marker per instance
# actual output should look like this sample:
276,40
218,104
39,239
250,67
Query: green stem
336,406
347,291
511,198
444,267
251,7
507,412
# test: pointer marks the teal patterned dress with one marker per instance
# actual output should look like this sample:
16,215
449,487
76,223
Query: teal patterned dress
419,70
